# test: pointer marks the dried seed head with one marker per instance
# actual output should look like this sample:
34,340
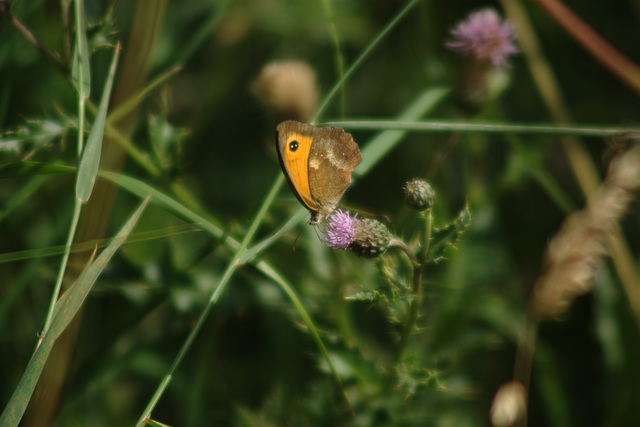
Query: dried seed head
288,90
509,404
577,251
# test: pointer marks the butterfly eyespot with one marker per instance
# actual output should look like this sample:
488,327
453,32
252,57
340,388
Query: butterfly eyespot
293,145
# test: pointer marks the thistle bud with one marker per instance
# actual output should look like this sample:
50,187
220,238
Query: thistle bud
419,195
488,42
371,239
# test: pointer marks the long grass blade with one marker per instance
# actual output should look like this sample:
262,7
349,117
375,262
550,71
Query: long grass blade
364,55
145,236
81,70
66,308
443,125
88,168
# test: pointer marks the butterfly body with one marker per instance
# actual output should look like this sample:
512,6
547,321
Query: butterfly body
318,163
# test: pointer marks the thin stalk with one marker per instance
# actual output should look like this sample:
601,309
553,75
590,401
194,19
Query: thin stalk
22,29
78,203
414,308
580,161
597,46
233,265
339,57
442,125
416,289
428,225
365,53
63,267
524,360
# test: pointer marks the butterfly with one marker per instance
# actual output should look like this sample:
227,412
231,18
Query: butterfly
318,163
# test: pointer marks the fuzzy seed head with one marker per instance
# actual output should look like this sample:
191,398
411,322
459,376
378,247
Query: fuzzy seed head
578,250
509,404
288,90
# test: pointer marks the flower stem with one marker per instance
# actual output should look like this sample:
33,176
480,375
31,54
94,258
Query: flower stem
416,289
428,223
397,243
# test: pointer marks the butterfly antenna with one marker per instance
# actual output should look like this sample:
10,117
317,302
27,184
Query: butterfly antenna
318,234
293,247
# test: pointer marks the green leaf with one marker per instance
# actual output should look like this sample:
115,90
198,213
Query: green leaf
141,189
88,169
448,235
154,423
66,308
166,141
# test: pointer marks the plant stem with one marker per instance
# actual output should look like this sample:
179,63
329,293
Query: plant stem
18,25
397,243
416,288
603,51
428,222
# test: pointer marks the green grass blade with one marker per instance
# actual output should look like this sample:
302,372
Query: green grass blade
16,407
204,32
256,249
22,169
542,175
232,267
141,189
487,126
365,53
145,236
87,172
387,140
80,71
136,99
306,318
66,309
154,423
338,53
72,299
88,169
22,195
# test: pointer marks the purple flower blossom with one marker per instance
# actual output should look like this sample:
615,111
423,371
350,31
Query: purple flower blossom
485,36
341,229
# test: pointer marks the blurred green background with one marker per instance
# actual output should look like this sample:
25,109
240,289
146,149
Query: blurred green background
254,362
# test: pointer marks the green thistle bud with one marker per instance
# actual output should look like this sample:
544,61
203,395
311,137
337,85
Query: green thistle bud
372,238
419,195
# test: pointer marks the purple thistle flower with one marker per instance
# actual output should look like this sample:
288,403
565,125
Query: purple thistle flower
485,36
341,229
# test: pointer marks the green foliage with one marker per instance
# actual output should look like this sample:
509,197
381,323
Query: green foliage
448,234
33,136
223,307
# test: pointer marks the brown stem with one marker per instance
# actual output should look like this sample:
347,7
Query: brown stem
604,52
66,28
53,56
